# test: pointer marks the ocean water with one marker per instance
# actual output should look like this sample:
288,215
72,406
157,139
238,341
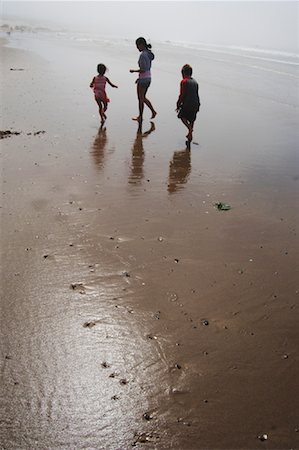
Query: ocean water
264,62
256,53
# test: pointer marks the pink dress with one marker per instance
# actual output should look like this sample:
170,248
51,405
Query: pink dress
99,85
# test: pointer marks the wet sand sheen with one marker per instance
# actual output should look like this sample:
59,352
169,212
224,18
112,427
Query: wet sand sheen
133,311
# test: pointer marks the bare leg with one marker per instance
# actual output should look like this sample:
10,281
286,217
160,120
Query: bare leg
101,111
141,93
190,135
141,97
189,126
102,114
140,102
105,108
149,105
185,122
191,130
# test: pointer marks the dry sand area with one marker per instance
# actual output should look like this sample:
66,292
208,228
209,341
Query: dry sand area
134,313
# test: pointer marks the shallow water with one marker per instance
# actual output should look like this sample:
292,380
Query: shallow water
133,311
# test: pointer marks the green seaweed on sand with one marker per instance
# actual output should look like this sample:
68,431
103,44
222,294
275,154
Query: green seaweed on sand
222,206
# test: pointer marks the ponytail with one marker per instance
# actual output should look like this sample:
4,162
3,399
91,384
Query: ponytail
142,41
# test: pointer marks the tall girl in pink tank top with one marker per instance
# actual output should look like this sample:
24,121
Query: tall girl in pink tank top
98,85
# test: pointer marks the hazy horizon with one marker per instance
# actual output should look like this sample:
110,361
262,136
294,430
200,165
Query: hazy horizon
268,25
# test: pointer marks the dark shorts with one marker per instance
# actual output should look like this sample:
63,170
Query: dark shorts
189,114
144,82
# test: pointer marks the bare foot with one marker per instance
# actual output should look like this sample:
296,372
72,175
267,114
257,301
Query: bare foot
138,119
154,113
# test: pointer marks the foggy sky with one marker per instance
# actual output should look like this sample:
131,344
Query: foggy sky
272,25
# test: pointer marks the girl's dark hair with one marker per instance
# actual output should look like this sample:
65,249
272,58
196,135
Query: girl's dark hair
187,70
142,41
101,69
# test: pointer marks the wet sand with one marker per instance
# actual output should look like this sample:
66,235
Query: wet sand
134,313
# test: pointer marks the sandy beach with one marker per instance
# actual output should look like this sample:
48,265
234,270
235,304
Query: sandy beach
134,313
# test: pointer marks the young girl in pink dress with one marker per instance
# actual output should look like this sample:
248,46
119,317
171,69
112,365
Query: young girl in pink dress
98,85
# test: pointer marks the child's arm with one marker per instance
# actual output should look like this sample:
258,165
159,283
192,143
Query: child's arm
182,95
142,65
92,83
111,84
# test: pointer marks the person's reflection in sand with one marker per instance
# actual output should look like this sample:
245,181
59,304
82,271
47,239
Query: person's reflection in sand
136,174
98,147
179,170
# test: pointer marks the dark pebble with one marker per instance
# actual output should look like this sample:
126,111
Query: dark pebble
105,365
126,274
89,324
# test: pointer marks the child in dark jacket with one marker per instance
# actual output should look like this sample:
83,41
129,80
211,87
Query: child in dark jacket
188,102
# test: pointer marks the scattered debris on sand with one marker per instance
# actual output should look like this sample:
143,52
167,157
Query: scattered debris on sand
222,206
8,133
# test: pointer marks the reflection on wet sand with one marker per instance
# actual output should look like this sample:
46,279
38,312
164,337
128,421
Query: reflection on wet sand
179,170
99,146
136,174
